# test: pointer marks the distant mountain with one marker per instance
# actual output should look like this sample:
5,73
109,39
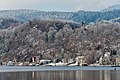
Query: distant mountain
111,8
79,16
25,15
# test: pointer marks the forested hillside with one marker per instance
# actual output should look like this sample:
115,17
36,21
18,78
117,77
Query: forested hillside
58,40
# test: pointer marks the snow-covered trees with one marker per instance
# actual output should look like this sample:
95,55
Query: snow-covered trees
57,40
79,16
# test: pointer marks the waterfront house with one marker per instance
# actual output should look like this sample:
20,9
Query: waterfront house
79,60
105,59
117,61
10,63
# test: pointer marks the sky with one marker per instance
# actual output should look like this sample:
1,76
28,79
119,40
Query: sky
57,5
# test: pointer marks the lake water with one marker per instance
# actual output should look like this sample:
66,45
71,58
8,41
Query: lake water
11,73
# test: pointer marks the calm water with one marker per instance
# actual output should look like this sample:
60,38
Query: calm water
62,75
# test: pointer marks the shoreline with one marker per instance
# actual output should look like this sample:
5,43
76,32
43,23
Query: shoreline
54,68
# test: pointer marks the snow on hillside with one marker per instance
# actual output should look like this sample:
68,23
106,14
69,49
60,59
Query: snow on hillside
111,8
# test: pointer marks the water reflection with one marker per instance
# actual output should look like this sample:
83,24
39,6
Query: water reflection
61,75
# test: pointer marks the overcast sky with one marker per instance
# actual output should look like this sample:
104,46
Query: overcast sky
57,5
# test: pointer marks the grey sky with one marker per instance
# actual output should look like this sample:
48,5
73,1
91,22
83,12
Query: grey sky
57,5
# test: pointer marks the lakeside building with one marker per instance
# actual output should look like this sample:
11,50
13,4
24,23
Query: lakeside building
79,60
117,61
